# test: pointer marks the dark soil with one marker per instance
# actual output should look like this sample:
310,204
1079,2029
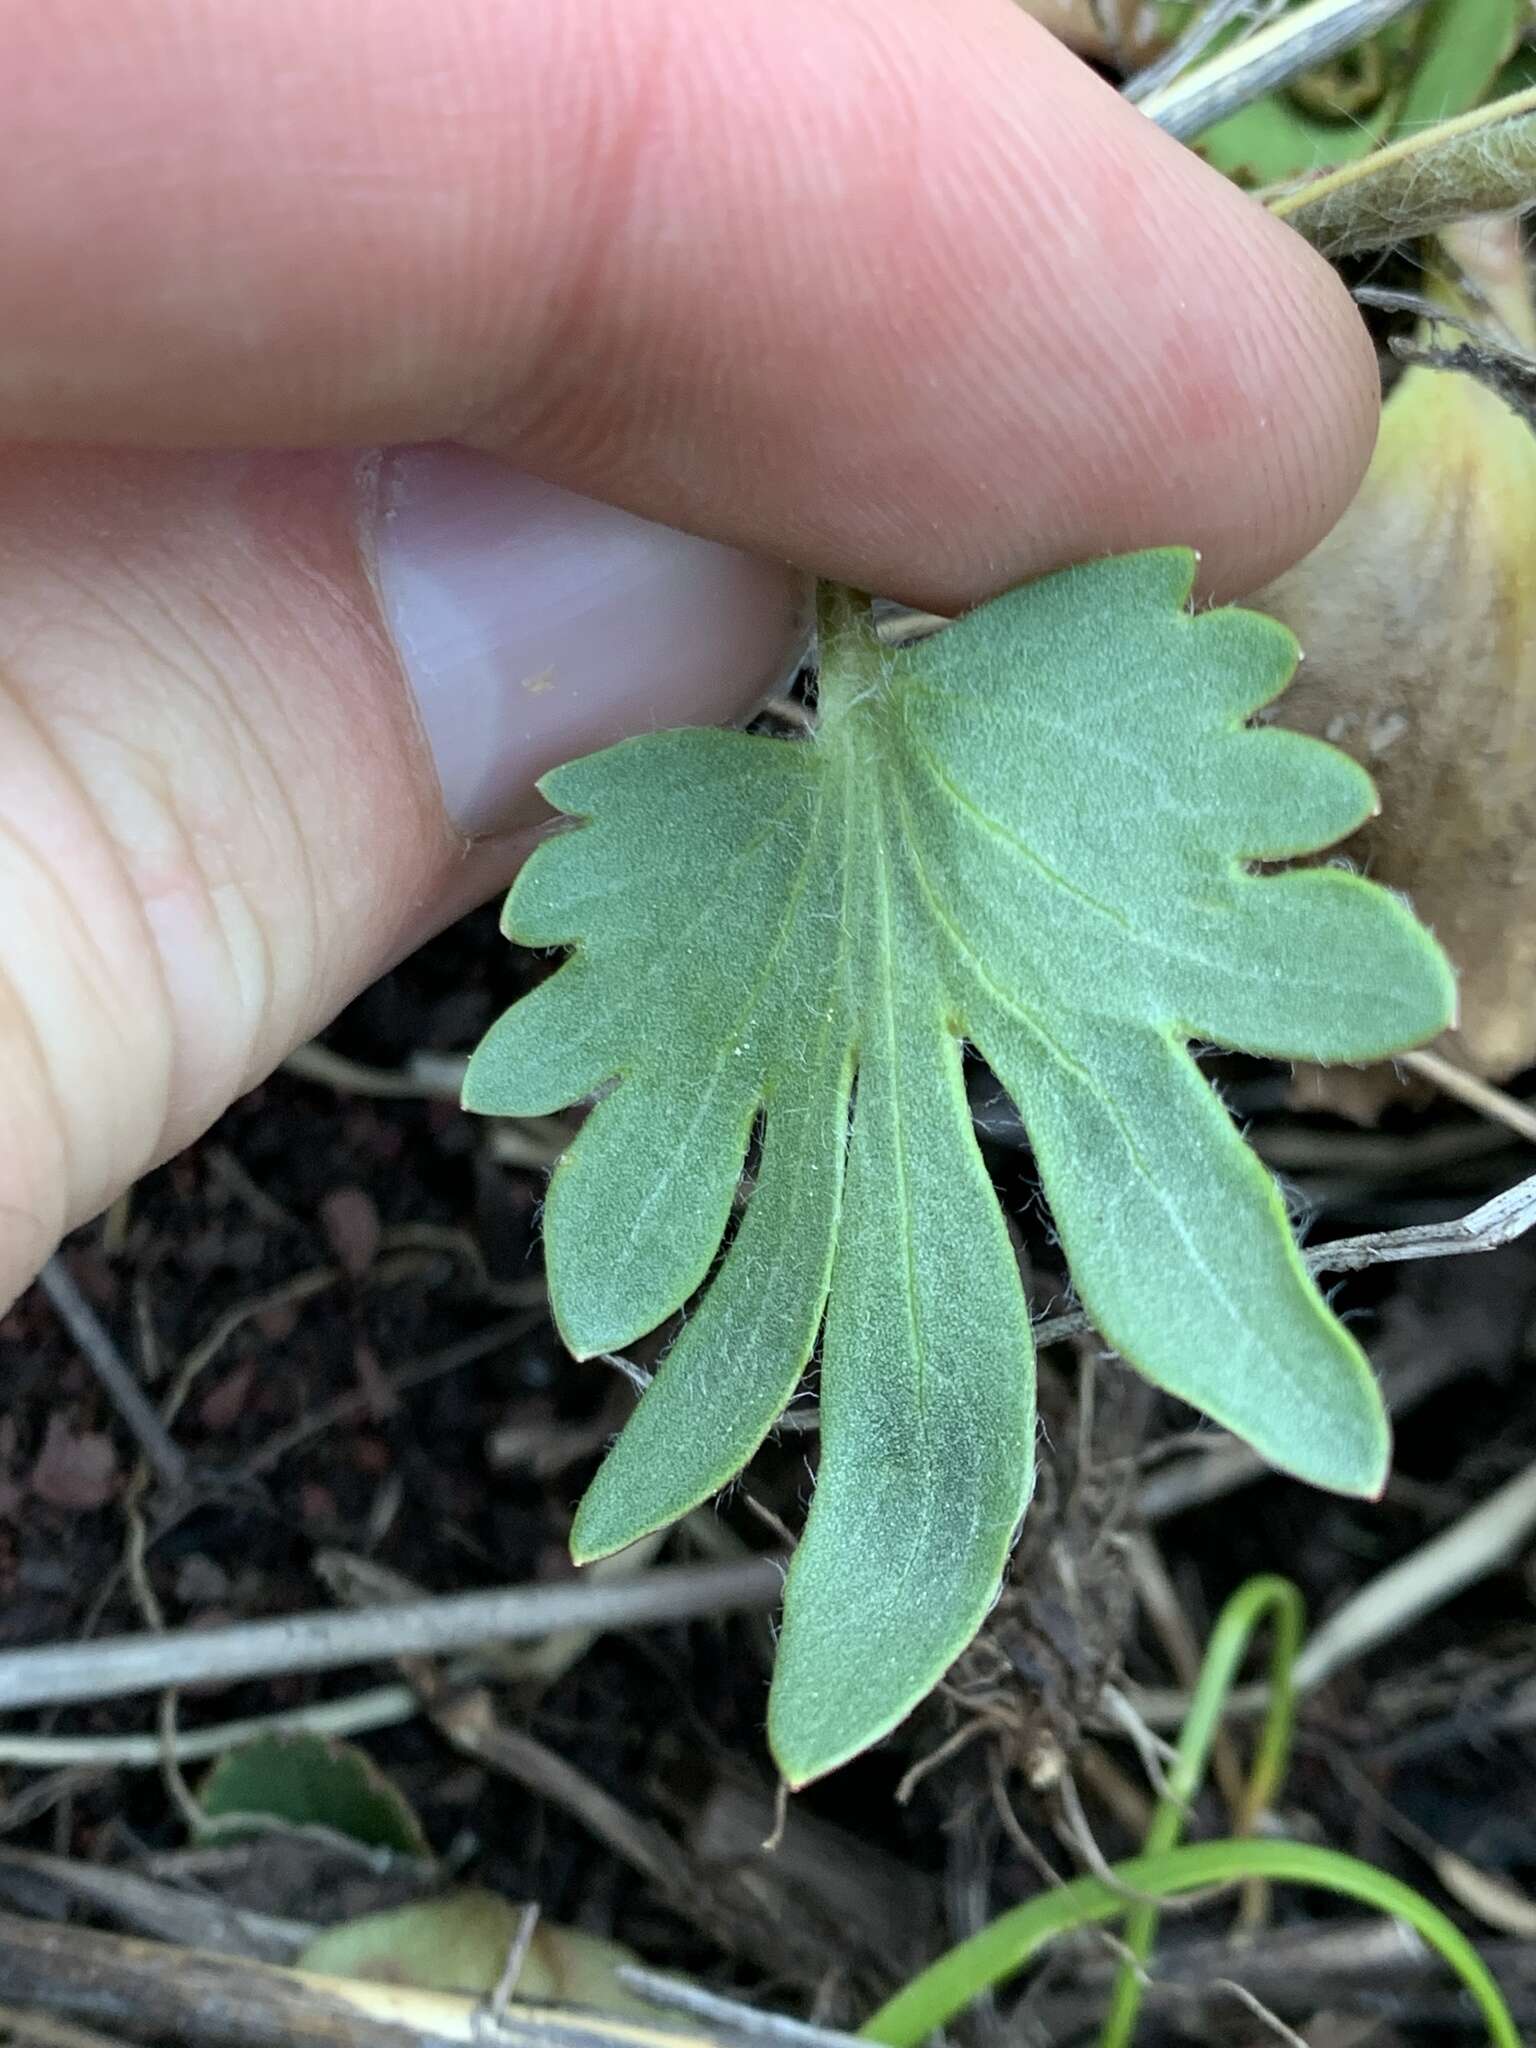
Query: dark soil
468,1476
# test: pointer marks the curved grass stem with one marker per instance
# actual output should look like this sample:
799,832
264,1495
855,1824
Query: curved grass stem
1266,1598
946,1987
1165,1870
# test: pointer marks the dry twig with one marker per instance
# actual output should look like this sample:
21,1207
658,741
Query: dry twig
1261,63
118,1380
1496,1104
208,2001
1485,1229
69,1673
672,1994
35,2030
361,1713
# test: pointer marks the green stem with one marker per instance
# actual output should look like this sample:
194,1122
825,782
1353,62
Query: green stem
1260,1599
849,657
1483,161
946,1987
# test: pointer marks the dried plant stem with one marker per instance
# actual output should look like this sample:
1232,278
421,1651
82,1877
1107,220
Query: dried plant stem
1477,1094
1261,63
121,1385
75,1672
1494,1223
1201,31
673,1994
361,1713
1484,1540
430,1077
208,2001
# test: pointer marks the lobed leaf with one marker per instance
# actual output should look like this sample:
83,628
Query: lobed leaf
1033,833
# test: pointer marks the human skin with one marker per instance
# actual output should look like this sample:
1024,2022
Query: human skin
895,291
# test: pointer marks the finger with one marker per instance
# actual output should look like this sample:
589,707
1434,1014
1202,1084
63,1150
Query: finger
223,811
894,288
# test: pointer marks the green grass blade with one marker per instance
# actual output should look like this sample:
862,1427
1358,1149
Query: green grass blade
948,1986
1261,1599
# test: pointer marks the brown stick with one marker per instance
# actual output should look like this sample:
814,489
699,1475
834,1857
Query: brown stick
149,1989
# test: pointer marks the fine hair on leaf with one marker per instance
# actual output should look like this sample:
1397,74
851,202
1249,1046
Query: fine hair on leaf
1049,832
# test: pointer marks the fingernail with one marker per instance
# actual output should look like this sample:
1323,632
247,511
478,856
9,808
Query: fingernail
535,626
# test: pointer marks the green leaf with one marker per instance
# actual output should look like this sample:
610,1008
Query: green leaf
1462,45
1033,833
460,1942
308,1781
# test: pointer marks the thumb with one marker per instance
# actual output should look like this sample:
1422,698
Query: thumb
266,722
896,288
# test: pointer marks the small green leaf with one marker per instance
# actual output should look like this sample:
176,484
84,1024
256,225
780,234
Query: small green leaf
460,1942
308,1781
1033,833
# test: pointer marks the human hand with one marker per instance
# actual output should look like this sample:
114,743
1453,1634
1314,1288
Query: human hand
891,289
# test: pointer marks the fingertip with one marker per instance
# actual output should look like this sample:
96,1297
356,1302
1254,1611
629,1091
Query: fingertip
1339,393
1189,372
1291,455
899,291
990,321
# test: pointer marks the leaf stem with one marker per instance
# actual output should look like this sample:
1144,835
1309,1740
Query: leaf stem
1483,161
851,662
